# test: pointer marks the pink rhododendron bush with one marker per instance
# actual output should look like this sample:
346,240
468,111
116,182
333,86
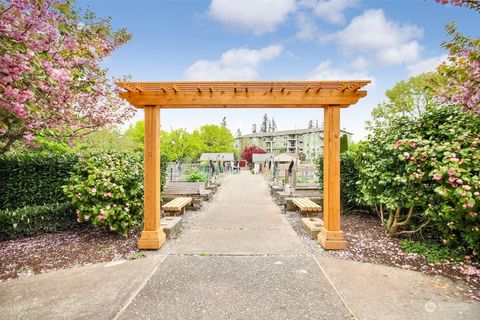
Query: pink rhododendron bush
425,173
107,190
51,84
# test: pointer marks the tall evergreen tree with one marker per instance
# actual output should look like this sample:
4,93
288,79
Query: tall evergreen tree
343,143
224,122
264,126
310,124
316,123
254,128
274,125
239,133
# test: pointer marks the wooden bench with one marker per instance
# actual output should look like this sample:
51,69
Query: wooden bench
187,189
306,206
177,205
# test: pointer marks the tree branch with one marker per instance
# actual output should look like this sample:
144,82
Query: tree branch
407,220
423,225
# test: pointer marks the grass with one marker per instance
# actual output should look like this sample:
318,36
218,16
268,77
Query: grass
432,251
137,255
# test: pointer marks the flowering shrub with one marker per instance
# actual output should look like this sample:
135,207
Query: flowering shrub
451,169
107,190
429,167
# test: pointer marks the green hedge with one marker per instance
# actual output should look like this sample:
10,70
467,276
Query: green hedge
29,221
34,179
348,179
163,170
32,199
37,179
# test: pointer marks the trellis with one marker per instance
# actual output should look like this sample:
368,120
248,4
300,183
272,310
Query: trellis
329,95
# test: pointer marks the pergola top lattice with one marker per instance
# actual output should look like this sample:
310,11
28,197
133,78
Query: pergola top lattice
247,94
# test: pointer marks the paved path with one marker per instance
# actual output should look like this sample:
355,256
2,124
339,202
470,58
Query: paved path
240,260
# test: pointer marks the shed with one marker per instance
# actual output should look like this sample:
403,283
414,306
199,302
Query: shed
216,157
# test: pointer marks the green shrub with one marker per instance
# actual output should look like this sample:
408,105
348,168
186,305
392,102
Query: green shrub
33,179
434,252
163,170
29,221
197,177
107,190
348,178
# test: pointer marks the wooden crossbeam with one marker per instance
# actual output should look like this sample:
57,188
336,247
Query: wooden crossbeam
240,99
343,87
354,87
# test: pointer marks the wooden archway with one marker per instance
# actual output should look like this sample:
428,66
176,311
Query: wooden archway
329,95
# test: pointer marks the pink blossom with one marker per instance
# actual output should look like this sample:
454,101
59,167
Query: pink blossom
451,172
459,181
51,78
437,177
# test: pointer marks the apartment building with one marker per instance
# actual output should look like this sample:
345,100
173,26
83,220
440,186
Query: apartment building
300,141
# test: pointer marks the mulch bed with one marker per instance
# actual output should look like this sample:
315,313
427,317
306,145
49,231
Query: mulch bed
368,243
66,249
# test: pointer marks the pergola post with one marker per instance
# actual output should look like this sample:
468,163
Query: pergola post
152,236
330,235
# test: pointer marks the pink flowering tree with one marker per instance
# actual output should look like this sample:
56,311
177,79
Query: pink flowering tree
472,4
462,72
51,84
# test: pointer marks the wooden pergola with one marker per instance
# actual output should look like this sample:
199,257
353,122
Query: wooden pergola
329,95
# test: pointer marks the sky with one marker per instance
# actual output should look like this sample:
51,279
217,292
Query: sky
383,41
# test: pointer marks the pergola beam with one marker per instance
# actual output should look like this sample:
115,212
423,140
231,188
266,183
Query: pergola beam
242,99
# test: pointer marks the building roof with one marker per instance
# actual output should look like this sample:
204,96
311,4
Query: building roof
261,157
216,156
285,157
285,132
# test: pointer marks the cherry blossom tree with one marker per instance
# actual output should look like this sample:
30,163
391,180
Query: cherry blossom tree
472,4
462,72
51,83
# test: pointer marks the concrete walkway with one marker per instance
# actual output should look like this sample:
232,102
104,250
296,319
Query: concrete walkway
240,260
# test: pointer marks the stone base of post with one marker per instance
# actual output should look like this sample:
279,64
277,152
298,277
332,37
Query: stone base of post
152,239
332,240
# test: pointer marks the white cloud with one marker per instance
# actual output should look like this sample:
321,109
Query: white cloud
426,65
325,71
389,41
235,64
360,63
256,16
307,30
333,10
